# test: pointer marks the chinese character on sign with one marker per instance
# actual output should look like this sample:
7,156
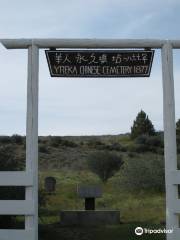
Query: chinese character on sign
117,59
126,58
144,58
80,58
132,58
58,58
138,57
103,59
92,59
66,59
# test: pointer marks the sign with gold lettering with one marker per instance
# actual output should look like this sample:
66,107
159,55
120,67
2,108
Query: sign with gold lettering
100,63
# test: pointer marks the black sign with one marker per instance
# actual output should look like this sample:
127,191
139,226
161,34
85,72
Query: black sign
100,63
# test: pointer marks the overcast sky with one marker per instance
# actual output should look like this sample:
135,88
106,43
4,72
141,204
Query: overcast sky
84,106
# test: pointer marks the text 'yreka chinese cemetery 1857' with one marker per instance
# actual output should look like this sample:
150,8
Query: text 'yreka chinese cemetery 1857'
100,63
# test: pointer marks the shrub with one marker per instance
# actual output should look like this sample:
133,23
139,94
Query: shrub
5,139
178,135
141,148
67,143
43,148
131,154
95,143
42,197
55,141
8,161
17,139
155,141
144,173
178,140
116,147
142,139
137,148
178,127
104,164
149,143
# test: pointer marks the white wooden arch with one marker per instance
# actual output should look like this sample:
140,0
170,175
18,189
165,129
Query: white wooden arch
29,177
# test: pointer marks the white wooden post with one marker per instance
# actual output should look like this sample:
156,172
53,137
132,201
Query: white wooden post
31,222
169,138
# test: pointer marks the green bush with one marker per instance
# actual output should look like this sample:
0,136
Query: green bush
8,160
18,139
67,143
145,172
116,147
95,143
42,197
55,141
178,139
105,164
5,139
178,127
142,139
146,143
137,148
43,148
155,141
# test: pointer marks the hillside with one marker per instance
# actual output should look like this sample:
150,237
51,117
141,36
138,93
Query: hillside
71,152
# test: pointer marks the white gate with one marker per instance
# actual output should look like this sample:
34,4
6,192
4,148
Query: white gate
29,178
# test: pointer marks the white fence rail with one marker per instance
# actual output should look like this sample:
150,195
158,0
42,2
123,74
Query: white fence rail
16,234
16,178
16,207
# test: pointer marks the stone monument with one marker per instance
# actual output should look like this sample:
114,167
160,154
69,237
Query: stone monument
90,216
89,193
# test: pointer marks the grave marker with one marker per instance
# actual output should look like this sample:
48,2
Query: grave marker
89,193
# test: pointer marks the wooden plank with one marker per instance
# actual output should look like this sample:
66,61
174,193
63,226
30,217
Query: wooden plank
176,207
16,207
87,43
169,135
176,233
32,136
9,234
175,177
16,43
16,178
83,43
